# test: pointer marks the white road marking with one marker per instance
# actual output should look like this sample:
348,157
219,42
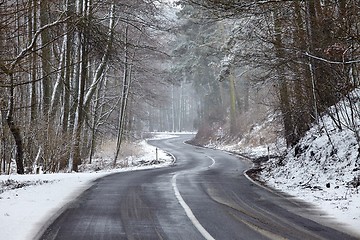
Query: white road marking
213,161
188,211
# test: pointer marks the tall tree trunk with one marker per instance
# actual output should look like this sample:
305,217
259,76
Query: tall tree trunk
96,113
123,96
285,106
70,10
58,87
127,79
173,110
303,104
79,117
181,103
75,158
246,94
33,96
45,57
14,129
100,71
2,137
233,127
310,26
32,76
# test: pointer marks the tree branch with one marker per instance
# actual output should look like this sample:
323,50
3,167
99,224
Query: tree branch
330,61
23,53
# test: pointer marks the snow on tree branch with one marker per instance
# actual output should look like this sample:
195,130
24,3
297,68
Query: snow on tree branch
23,53
330,61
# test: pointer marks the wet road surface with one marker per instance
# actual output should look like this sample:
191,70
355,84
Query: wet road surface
204,195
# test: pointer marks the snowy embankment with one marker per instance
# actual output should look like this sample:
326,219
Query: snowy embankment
322,169
28,201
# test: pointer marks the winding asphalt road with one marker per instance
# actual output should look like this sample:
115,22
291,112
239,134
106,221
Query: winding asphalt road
205,195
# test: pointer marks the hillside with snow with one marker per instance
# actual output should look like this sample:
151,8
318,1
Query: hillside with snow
323,168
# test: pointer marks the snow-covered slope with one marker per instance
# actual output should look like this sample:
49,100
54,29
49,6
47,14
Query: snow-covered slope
324,167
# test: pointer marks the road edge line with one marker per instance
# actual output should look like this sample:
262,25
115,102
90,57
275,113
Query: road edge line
213,161
188,211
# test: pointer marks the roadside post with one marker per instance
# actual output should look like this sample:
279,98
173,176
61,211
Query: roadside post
157,157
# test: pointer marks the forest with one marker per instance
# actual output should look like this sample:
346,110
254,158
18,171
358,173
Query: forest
76,73
282,62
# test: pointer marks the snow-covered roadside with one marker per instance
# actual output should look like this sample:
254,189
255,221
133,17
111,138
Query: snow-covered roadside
28,201
339,202
321,172
322,169
24,210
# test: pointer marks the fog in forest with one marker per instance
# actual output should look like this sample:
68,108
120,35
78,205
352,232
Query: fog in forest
76,74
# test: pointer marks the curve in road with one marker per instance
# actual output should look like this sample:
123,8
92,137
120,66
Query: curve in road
204,195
